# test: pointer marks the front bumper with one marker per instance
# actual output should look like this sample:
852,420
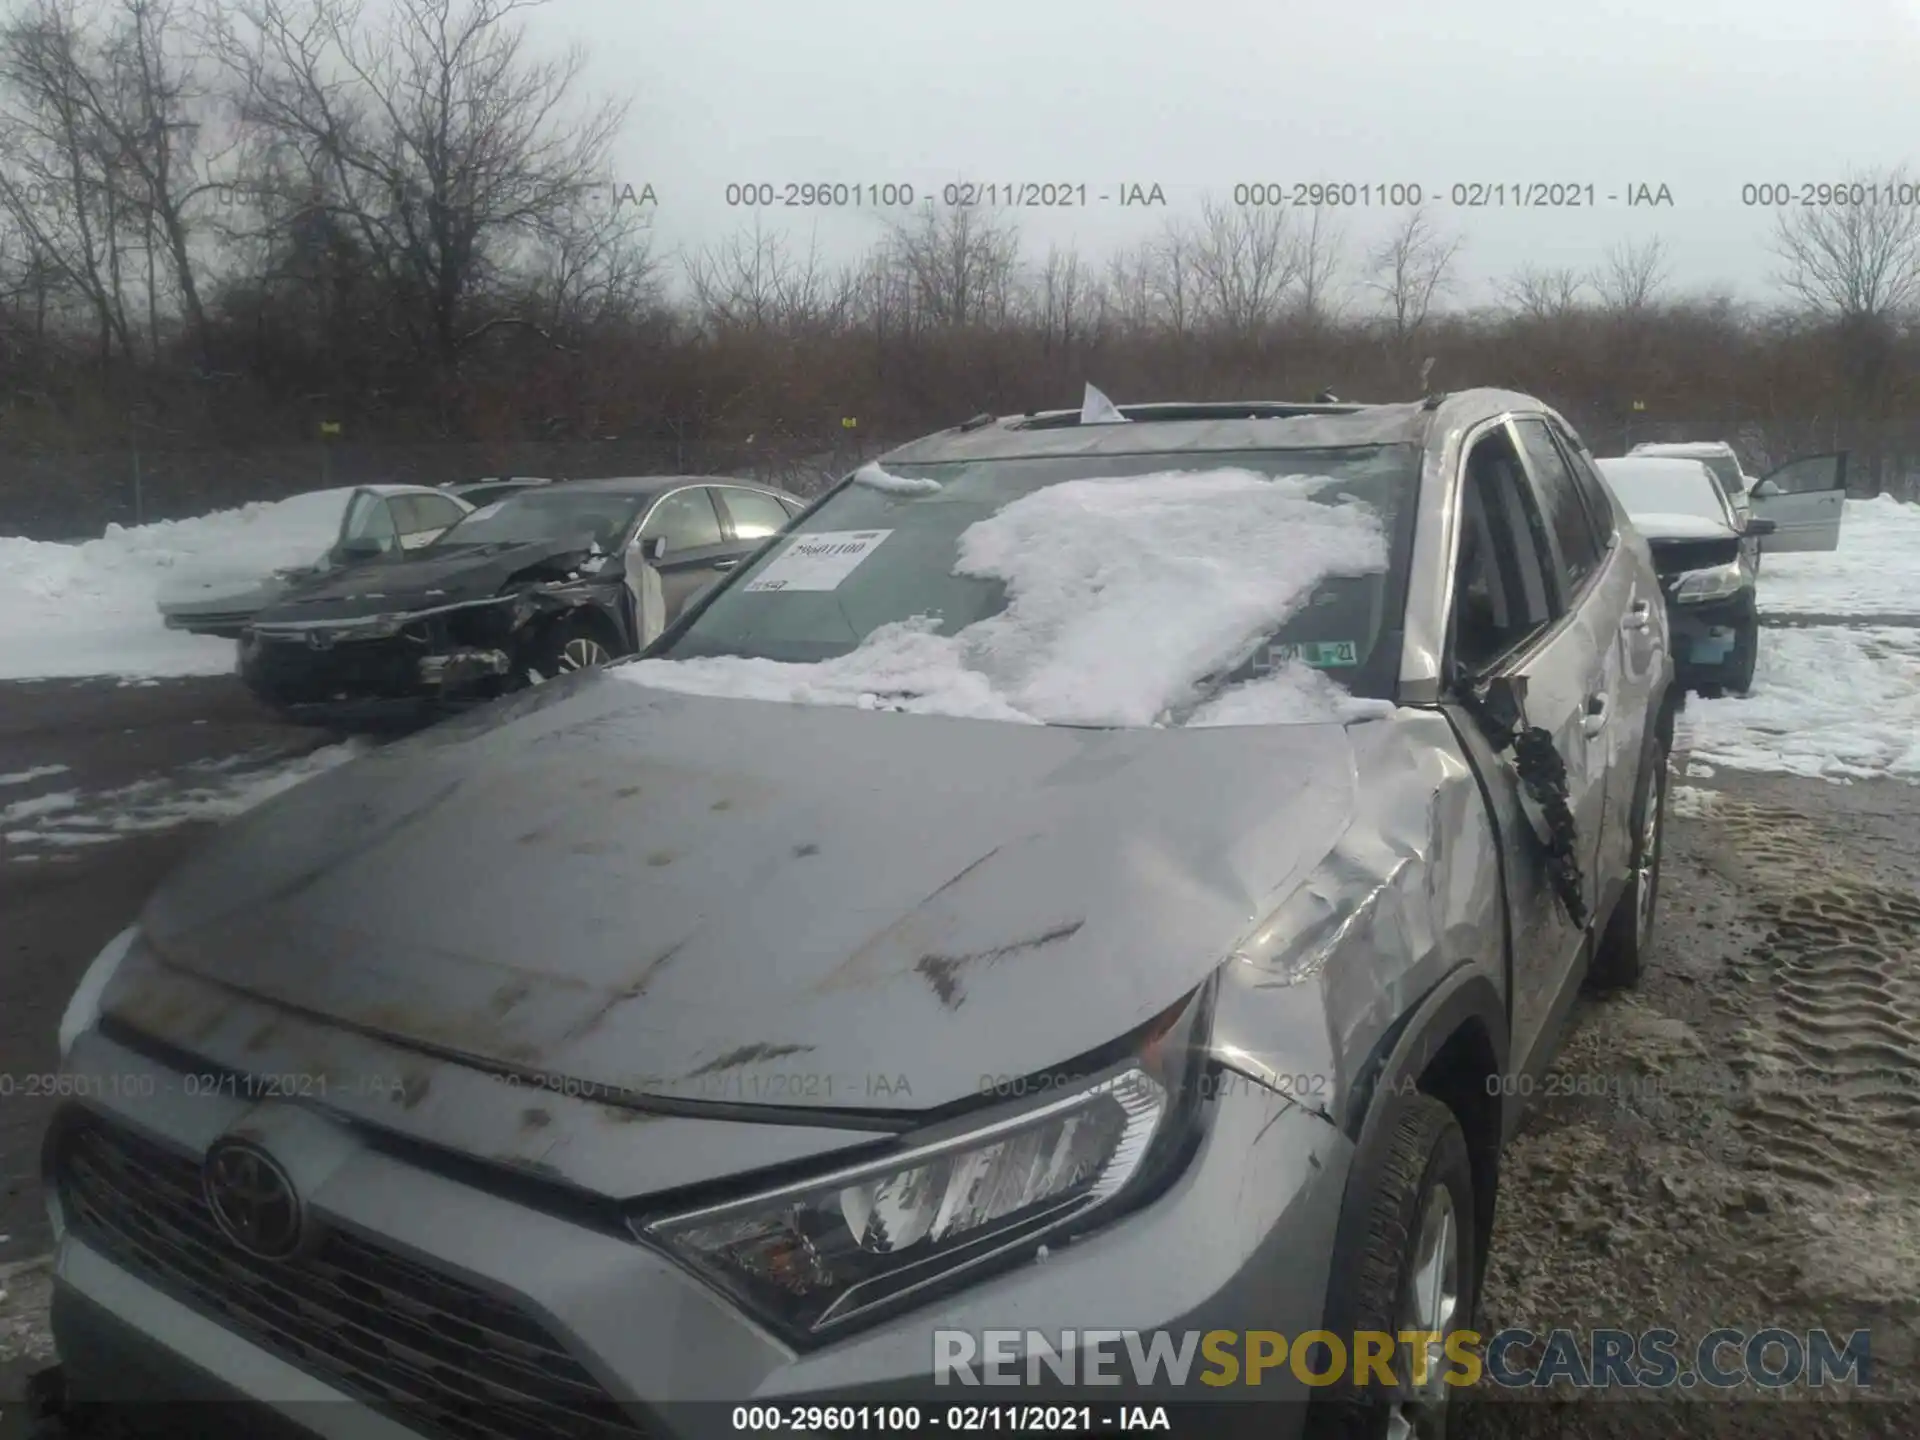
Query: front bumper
427,665
1241,1241
1705,637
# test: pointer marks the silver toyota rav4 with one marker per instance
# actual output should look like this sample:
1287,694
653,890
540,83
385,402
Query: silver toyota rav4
1099,881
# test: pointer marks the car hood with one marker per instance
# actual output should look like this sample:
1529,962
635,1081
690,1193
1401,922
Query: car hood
220,597
420,581
1682,527
697,898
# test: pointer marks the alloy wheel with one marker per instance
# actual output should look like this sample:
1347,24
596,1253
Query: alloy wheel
1431,1303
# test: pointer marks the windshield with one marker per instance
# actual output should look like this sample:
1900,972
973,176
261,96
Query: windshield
1721,466
1108,590
1666,487
588,516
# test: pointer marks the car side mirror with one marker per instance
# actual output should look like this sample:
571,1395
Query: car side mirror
653,549
1757,526
1763,488
348,551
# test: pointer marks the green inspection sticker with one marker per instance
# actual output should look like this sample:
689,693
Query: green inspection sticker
1321,654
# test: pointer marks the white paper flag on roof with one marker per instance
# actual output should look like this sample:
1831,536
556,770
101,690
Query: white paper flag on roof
1097,409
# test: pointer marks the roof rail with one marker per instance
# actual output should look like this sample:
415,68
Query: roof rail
1193,410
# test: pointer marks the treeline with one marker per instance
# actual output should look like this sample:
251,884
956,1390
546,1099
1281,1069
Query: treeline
228,223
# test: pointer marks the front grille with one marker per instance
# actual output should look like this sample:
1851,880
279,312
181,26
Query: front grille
294,672
431,1351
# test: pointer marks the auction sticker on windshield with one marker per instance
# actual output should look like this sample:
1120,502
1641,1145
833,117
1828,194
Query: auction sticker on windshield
818,561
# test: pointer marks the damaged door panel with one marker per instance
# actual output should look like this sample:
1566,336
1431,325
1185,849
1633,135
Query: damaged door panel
1529,688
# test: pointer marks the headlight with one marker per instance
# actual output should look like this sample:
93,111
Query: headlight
824,1255
1716,583
84,1008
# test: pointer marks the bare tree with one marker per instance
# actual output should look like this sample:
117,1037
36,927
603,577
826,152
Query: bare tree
1243,262
1853,261
1631,277
62,184
1062,299
1320,258
1171,266
962,263
1543,293
445,148
1409,270
598,266
1858,266
753,281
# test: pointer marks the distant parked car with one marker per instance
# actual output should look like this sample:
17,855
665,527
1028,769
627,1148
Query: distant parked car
1706,555
375,520
1804,498
546,580
485,492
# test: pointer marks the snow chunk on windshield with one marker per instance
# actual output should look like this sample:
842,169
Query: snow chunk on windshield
872,476
905,667
1293,694
1123,595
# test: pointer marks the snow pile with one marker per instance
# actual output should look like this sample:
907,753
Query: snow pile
1122,595
88,609
874,478
1876,570
1827,702
68,819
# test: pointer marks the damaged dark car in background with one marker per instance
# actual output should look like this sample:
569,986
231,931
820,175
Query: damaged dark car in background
543,581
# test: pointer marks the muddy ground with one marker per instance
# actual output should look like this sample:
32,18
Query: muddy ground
1736,1144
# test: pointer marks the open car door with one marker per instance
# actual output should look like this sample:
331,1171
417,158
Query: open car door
1805,499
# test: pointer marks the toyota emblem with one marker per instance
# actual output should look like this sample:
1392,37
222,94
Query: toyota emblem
252,1200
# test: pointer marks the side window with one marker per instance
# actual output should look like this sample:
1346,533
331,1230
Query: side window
372,519
1502,587
1587,480
755,515
423,515
1566,512
686,520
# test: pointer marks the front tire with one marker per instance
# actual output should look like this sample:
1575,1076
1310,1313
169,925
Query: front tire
1746,658
1621,954
570,644
1405,1260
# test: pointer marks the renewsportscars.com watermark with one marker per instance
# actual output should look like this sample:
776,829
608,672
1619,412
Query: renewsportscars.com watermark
1769,1359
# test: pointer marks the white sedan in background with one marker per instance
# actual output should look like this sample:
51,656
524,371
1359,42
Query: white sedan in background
349,526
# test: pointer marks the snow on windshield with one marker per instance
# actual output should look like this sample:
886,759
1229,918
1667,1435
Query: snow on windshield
872,476
1123,594
1665,486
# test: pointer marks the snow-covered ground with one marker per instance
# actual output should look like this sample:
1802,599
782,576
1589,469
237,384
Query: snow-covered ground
1876,570
1836,702
46,827
69,611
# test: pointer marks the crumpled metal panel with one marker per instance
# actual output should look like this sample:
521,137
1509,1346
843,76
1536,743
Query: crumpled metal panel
1409,892
642,890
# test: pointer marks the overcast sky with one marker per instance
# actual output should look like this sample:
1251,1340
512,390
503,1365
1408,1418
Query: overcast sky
1701,96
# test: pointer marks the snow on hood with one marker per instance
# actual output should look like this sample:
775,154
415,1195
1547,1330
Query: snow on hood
1122,595
88,609
1680,527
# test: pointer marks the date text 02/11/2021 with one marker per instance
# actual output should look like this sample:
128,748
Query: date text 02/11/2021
951,1419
